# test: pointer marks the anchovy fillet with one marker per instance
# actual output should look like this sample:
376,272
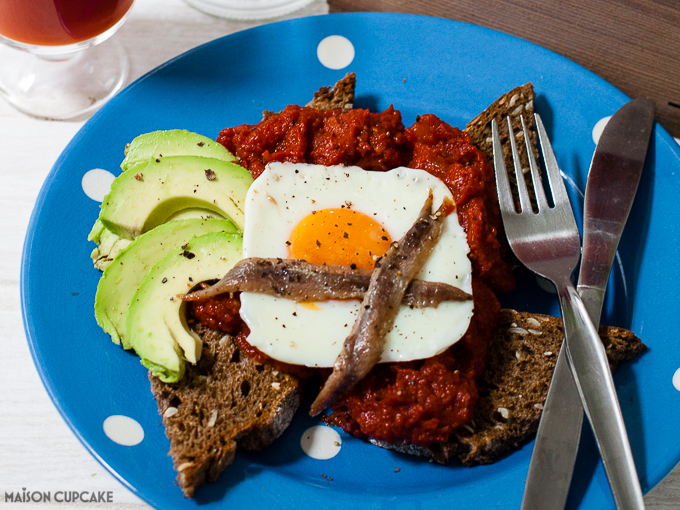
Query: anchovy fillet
363,347
299,280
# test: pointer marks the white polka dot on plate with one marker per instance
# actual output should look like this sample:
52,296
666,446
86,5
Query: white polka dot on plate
97,183
123,430
335,52
676,379
321,442
599,127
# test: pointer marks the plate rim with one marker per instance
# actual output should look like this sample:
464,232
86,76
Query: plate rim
660,133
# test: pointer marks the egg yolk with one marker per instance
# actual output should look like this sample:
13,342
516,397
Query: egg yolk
339,236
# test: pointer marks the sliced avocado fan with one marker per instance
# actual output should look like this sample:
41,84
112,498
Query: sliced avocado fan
156,323
147,148
123,276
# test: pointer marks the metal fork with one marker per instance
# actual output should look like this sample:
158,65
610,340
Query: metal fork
548,243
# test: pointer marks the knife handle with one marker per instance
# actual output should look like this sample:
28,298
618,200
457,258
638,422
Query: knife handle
596,388
557,440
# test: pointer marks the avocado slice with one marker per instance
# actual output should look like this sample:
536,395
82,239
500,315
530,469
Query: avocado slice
96,232
122,277
172,142
156,322
109,244
148,194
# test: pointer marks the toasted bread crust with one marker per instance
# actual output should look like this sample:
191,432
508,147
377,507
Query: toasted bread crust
515,104
339,96
513,389
519,102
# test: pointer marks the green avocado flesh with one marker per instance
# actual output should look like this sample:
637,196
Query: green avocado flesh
173,142
156,325
123,276
144,149
109,244
149,194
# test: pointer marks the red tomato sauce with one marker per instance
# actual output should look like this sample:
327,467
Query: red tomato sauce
423,401
449,154
221,312
373,141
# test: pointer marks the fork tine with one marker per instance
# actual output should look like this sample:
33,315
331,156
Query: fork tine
524,202
505,200
559,190
539,191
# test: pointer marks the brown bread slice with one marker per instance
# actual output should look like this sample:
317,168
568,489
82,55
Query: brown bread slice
513,389
515,103
339,96
224,403
518,102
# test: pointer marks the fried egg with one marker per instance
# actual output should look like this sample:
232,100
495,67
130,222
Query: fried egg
346,215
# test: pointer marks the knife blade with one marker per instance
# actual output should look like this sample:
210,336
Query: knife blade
612,183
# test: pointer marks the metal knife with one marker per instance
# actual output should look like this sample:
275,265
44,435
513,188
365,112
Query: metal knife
612,183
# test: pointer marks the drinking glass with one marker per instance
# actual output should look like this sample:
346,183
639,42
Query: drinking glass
52,64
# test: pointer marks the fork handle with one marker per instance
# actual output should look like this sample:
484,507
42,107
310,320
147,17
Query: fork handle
559,431
596,388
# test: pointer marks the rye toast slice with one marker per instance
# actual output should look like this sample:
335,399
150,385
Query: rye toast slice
339,96
226,402
515,103
513,389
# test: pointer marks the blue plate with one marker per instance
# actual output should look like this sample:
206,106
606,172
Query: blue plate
420,65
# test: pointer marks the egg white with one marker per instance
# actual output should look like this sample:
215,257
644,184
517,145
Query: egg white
297,333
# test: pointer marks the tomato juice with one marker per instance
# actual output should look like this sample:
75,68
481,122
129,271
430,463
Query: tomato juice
58,22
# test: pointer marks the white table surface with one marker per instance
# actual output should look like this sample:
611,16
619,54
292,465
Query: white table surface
37,449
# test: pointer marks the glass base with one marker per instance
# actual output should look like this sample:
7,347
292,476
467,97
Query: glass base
248,9
62,87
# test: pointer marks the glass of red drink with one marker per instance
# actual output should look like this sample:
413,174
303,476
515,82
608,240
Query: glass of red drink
51,62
